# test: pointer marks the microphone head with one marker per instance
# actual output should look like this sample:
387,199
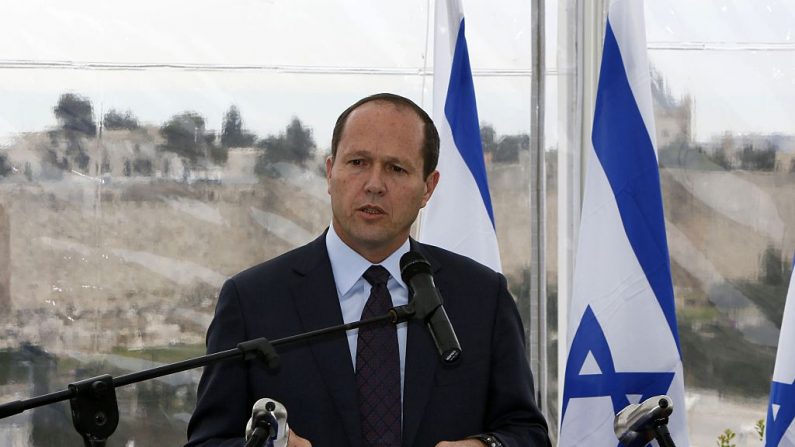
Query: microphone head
411,264
269,409
634,425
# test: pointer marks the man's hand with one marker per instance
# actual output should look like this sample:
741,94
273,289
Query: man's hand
297,441
463,443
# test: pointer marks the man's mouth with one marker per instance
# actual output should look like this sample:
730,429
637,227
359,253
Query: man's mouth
371,210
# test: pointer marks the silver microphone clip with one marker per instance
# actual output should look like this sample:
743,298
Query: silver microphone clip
269,409
634,425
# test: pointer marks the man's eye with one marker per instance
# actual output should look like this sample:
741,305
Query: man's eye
355,162
397,169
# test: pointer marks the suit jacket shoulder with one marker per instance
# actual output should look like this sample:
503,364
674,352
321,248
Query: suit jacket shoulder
299,260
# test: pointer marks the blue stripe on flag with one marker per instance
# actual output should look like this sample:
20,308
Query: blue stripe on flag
622,143
462,114
782,394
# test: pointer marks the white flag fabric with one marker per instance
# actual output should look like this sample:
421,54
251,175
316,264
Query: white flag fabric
623,342
459,216
779,430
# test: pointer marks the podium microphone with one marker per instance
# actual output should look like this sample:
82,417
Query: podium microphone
635,425
268,425
416,272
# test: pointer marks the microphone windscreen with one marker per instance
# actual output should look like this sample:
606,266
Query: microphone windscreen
411,264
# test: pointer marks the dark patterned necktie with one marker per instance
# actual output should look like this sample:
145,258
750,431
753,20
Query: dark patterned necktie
378,368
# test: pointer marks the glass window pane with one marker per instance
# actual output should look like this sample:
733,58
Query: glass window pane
144,159
722,84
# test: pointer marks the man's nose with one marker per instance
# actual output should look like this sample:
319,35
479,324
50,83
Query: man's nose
375,181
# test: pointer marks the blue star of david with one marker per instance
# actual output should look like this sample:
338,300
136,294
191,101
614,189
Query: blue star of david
782,394
609,383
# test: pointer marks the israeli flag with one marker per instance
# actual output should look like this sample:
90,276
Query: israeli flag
459,216
623,343
779,430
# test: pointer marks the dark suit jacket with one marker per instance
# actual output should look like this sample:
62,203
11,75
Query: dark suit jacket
489,390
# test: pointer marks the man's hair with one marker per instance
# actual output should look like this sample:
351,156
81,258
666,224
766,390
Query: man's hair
430,141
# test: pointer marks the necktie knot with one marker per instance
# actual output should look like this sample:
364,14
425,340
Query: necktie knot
376,275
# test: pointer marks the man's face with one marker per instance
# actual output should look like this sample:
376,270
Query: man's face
376,180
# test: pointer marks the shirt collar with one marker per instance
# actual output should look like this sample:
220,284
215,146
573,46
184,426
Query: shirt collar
348,266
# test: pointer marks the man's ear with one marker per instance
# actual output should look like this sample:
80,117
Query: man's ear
329,164
430,185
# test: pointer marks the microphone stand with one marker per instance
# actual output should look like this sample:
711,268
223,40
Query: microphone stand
95,412
662,435
261,436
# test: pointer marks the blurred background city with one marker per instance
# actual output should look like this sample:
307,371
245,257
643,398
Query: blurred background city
148,151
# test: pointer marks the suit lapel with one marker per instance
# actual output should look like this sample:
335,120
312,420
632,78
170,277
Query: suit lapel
317,303
421,362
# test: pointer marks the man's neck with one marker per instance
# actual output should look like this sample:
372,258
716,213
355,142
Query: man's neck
374,255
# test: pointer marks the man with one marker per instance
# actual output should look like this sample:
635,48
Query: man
381,172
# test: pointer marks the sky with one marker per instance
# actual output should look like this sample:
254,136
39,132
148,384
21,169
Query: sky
744,81
282,58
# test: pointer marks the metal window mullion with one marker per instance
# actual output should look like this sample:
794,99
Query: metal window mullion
537,305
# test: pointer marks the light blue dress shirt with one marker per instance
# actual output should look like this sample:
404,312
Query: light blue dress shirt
353,290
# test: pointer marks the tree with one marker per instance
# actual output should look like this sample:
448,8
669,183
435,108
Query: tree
752,159
52,164
104,167
114,120
82,159
488,138
299,141
509,146
5,166
142,166
219,154
295,145
720,159
233,134
505,148
772,268
76,115
767,158
184,134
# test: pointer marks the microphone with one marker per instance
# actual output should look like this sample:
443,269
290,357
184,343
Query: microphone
416,272
268,423
635,424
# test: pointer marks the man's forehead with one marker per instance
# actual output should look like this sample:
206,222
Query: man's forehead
384,108
383,130
367,152
382,122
